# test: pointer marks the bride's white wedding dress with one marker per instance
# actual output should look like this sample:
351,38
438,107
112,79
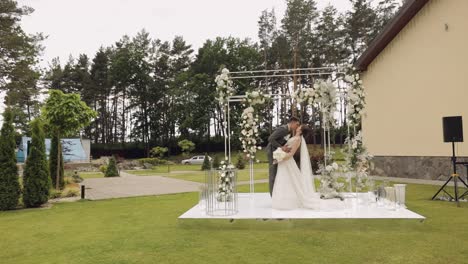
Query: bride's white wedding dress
294,187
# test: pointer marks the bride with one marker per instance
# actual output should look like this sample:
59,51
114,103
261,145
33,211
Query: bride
294,187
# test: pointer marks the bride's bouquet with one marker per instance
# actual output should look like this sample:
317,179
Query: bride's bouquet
279,155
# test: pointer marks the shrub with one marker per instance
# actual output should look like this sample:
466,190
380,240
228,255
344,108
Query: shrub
186,146
68,180
54,194
112,170
36,178
10,189
158,152
103,168
206,163
216,162
153,161
70,192
240,161
126,150
76,177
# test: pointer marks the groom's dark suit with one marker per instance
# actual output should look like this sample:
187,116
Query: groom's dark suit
276,140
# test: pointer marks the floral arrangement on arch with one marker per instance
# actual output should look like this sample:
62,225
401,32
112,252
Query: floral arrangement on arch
326,100
249,124
322,95
255,98
305,95
358,159
329,185
224,87
356,96
226,178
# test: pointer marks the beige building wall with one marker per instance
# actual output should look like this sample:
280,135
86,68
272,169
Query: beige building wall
421,76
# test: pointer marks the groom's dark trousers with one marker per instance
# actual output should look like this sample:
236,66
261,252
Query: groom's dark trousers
276,140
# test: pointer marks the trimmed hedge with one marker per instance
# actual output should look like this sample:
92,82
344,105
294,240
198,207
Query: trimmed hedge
134,150
153,161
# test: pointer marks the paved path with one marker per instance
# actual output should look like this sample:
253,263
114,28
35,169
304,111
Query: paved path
417,181
248,182
392,179
129,186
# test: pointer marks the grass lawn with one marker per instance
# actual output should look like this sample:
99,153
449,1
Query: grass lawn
146,230
243,175
93,174
199,176
166,169
261,154
193,172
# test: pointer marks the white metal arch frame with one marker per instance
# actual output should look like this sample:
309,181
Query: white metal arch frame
322,71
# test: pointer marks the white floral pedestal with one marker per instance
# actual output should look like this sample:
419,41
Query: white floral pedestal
219,195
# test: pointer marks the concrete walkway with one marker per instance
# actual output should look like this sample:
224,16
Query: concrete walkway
417,181
391,179
130,186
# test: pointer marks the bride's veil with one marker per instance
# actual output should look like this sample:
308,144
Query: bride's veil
306,169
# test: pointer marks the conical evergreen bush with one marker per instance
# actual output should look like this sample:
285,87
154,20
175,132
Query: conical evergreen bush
206,163
112,170
36,178
10,189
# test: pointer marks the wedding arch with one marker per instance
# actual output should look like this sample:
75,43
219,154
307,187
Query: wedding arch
323,95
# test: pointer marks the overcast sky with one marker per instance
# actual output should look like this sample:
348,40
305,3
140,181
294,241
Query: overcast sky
82,26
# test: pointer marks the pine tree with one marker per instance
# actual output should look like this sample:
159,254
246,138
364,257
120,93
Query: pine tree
361,26
19,73
206,164
36,178
10,189
54,145
100,90
67,82
180,63
17,47
112,170
266,32
330,50
386,10
53,76
297,25
140,87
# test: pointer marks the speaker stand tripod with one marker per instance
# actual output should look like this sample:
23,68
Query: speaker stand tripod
455,177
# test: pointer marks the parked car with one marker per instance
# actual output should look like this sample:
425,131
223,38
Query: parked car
195,160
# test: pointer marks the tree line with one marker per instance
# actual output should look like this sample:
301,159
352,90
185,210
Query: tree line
156,92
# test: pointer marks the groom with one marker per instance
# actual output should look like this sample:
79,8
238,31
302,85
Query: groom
278,140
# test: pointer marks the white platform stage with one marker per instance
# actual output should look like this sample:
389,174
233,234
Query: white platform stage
258,206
